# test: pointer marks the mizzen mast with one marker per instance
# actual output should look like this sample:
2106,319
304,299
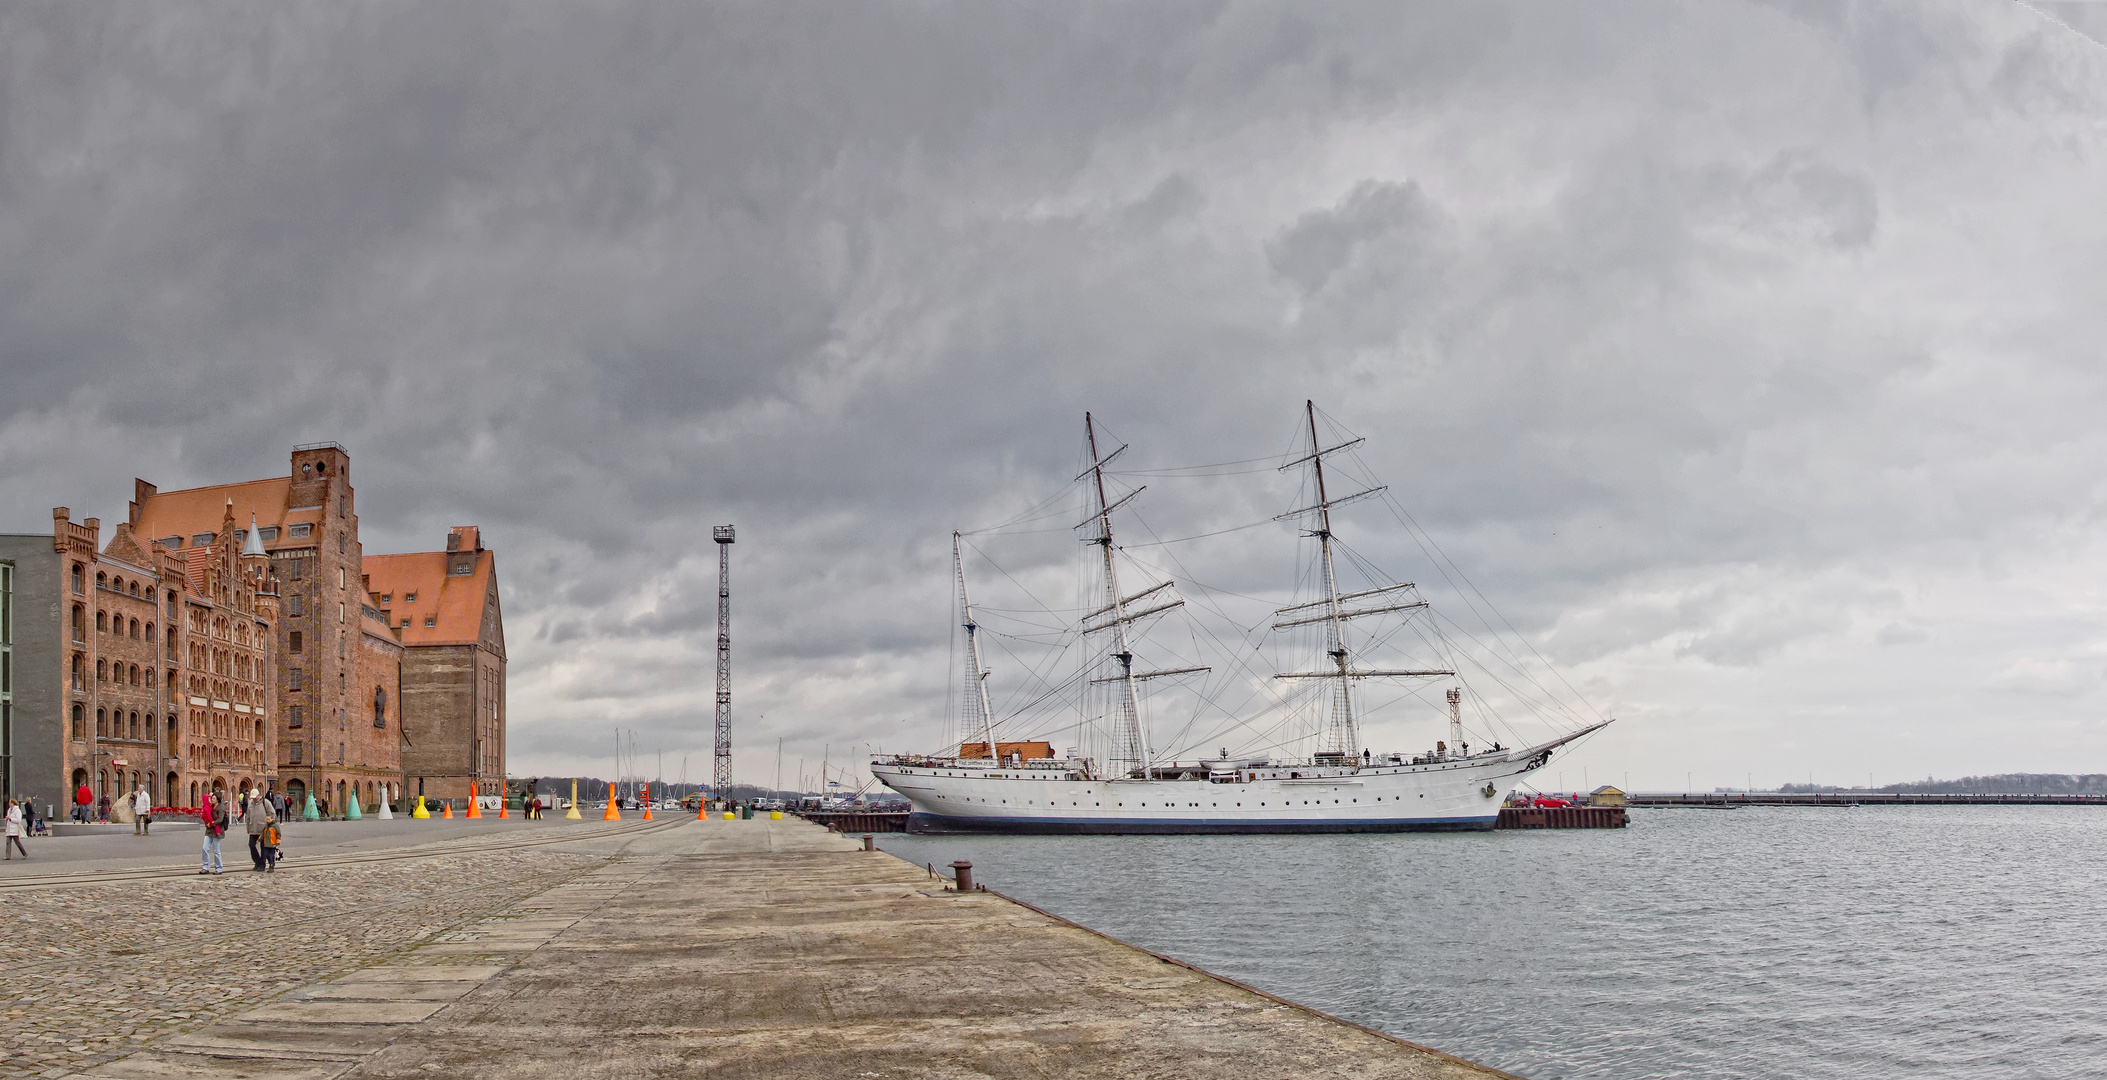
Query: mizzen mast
1341,735
978,718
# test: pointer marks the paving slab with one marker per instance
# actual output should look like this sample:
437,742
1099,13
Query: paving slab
159,1065
343,1012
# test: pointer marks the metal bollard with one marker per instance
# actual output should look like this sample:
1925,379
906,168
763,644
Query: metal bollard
963,872
869,842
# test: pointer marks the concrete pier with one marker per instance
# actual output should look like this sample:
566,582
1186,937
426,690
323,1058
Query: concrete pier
773,949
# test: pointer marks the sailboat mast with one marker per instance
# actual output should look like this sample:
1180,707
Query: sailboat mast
976,674
1132,740
1341,737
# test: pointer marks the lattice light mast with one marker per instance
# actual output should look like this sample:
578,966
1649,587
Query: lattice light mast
723,535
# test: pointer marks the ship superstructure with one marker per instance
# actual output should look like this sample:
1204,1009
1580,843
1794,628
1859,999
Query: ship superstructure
988,785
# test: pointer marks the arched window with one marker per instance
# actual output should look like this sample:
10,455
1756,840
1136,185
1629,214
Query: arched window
79,723
380,707
132,631
171,603
102,622
78,684
102,671
102,724
134,673
102,580
80,623
116,584
134,590
79,579
149,678
134,731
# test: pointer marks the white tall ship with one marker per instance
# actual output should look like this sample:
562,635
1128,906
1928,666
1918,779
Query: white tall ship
986,785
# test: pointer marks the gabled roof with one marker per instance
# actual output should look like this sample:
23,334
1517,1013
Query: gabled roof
454,603
197,510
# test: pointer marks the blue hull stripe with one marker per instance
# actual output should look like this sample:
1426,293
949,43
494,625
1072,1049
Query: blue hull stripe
920,822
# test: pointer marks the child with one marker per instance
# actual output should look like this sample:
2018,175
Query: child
271,839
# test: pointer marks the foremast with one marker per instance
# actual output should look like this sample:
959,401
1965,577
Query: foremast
1341,735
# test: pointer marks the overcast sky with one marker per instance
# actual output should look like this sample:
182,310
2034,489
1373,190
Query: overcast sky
1746,355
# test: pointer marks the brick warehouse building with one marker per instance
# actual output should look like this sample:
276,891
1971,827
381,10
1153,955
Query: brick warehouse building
446,606
131,664
238,629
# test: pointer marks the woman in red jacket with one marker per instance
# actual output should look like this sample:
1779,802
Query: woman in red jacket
81,800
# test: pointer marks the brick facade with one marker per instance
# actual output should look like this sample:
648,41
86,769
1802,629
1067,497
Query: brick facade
225,637
446,606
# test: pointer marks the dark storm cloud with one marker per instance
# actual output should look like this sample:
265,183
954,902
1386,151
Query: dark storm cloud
1719,343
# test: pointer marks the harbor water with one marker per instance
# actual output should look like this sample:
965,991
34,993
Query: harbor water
1938,941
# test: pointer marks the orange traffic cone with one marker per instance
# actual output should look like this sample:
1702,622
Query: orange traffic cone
501,810
647,802
449,811
614,812
474,811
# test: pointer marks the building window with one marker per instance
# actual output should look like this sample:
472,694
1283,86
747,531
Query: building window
171,605
270,533
135,727
102,580
200,539
387,598
296,753
149,678
405,624
293,678
133,588
301,531
409,598
102,622
431,620
80,578
149,631
380,707
102,671
298,717
295,605
102,724
132,631
293,644
79,723
171,541
340,612
340,543
80,617
79,684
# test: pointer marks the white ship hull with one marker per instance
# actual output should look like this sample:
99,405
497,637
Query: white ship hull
1461,794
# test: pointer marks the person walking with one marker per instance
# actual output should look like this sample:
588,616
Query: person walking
15,829
102,809
142,811
81,801
259,819
214,813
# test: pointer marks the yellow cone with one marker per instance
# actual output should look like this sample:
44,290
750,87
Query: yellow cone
421,811
574,815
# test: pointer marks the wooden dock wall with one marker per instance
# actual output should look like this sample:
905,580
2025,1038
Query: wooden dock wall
1561,817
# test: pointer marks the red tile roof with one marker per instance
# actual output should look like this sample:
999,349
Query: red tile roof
453,603
187,513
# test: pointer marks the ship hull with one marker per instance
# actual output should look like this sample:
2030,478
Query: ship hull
1455,796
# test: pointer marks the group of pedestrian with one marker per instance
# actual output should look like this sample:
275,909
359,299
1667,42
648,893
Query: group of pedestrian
259,812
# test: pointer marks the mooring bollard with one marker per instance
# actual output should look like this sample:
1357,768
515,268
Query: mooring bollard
963,872
869,843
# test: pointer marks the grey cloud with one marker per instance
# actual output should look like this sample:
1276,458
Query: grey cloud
1629,300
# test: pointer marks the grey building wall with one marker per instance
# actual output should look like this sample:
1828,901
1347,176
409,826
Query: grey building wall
36,766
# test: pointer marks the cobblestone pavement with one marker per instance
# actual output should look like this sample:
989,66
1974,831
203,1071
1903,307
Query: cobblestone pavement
96,972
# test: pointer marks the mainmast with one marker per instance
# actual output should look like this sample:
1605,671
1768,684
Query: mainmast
1130,740
978,718
1341,736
